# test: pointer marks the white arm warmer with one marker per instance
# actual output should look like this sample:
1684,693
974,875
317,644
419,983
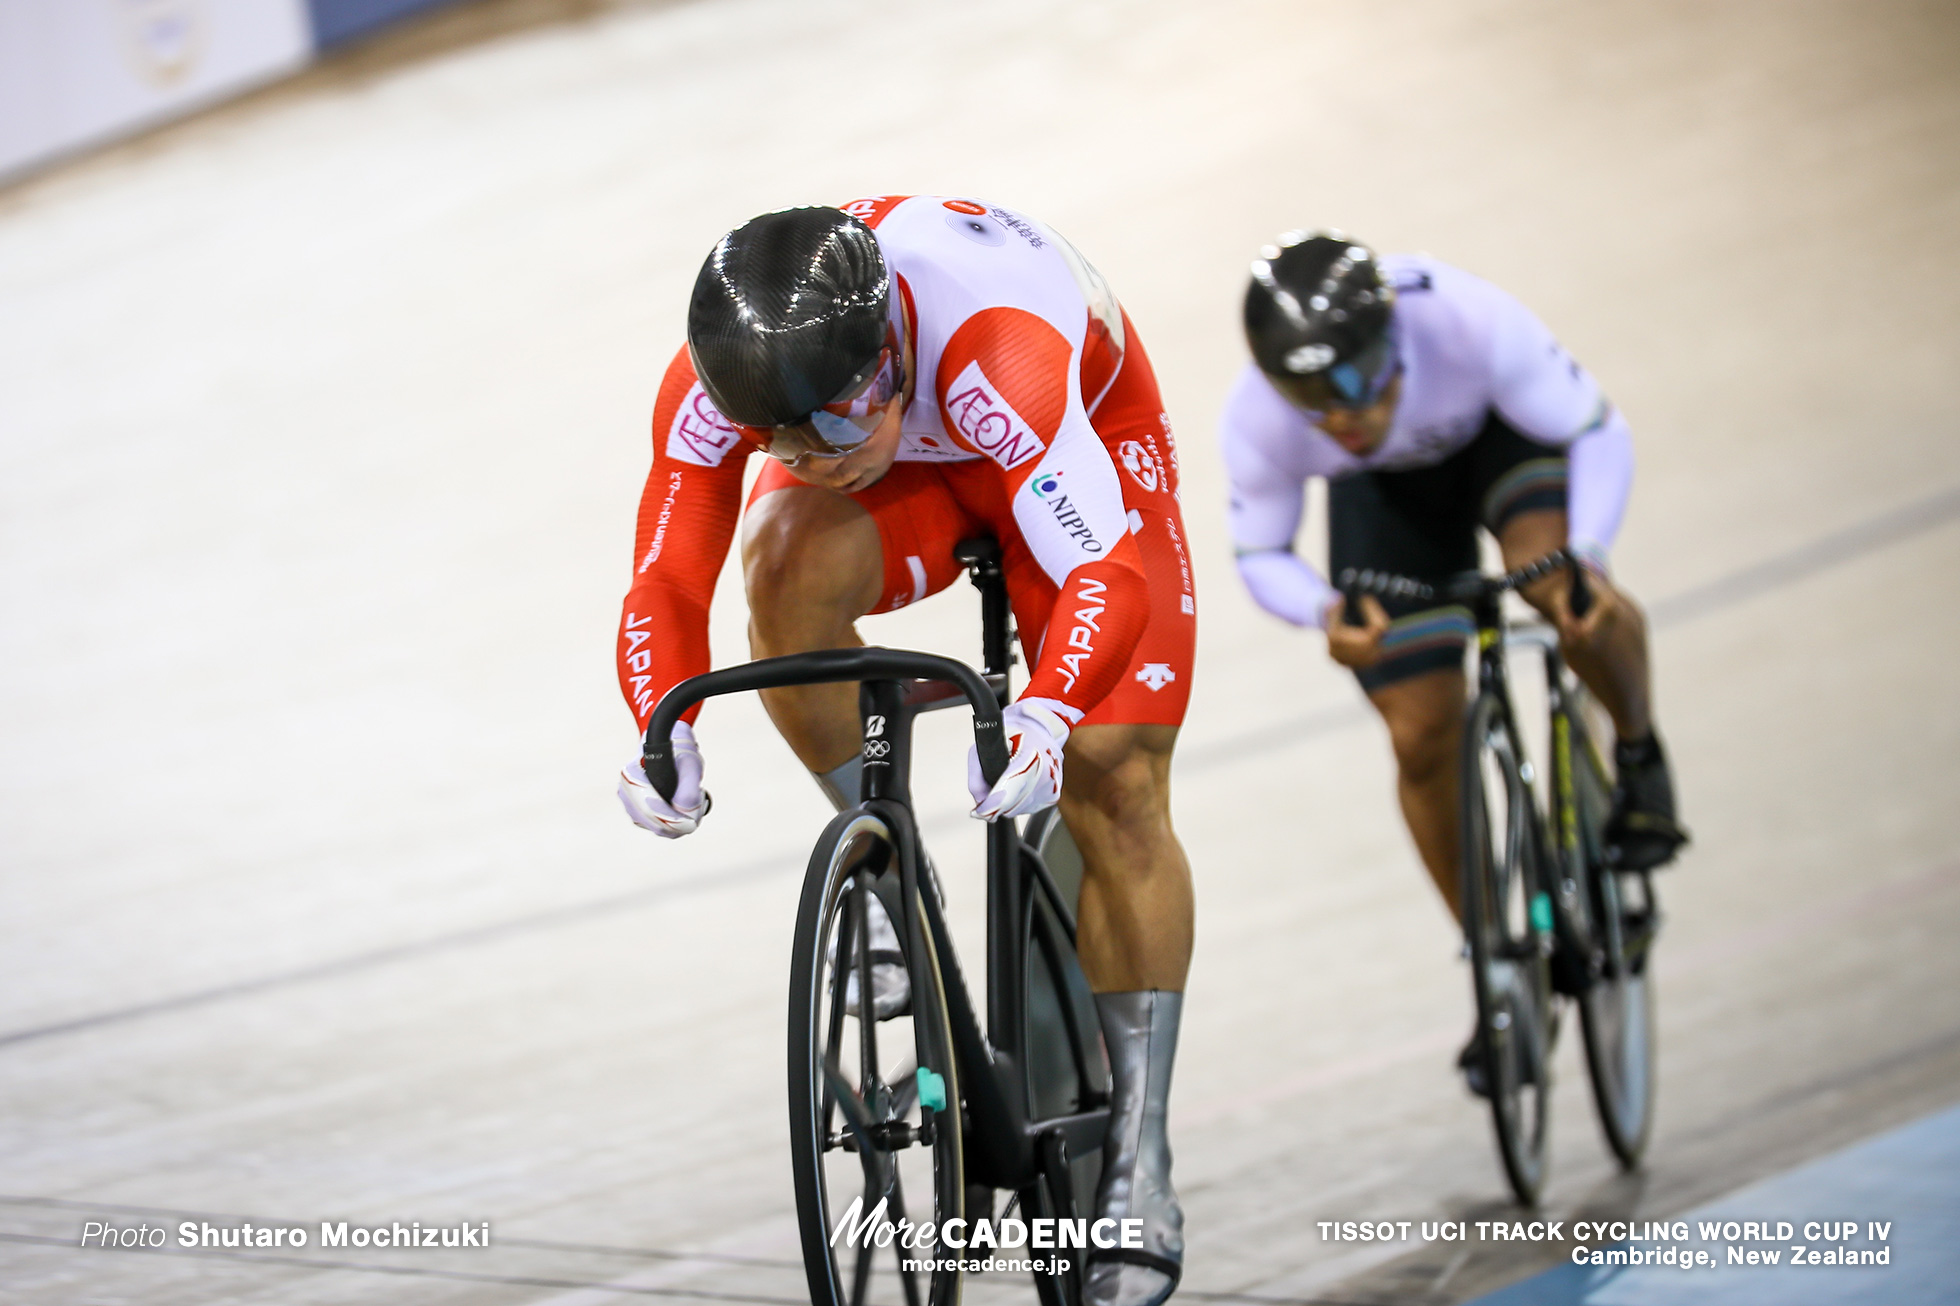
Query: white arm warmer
1286,586
1598,480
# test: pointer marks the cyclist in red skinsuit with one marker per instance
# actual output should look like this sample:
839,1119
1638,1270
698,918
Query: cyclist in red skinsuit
1012,398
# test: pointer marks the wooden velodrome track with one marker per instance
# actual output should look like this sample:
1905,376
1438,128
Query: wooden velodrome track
322,420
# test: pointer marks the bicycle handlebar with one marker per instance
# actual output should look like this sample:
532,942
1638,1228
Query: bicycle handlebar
822,667
1471,586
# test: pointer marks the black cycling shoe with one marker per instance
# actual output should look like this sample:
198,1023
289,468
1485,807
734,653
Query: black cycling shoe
1642,833
1521,1045
1470,1062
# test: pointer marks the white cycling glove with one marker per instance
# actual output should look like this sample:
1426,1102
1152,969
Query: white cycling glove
1035,729
652,812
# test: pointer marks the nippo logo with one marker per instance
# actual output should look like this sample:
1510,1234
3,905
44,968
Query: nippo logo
966,206
985,420
1047,487
1141,464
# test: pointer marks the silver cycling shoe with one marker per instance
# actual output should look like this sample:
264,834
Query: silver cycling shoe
1140,1032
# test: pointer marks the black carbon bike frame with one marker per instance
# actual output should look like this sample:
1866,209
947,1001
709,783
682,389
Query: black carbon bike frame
1592,925
1007,1144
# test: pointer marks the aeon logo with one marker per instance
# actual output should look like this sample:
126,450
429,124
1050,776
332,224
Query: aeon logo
987,422
700,434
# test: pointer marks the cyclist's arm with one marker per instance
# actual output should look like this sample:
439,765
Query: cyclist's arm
687,519
1599,479
1543,392
1268,501
1005,391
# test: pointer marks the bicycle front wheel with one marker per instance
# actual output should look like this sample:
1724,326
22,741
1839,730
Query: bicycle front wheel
873,1087
1507,919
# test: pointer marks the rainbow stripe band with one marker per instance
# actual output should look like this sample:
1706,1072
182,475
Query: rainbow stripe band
1433,628
1537,485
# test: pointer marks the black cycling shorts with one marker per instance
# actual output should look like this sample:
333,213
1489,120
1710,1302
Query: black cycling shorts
1423,523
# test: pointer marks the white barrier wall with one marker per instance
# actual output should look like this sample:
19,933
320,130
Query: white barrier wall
75,72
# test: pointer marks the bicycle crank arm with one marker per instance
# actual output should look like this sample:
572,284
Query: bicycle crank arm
1082,1133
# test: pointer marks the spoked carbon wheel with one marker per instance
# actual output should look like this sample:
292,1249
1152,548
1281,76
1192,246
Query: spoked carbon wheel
873,1088
1616,1011
1507,920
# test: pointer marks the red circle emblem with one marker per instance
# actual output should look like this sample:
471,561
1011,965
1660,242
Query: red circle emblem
966,206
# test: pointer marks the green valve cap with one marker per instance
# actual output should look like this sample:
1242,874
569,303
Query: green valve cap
1541,912
932,1090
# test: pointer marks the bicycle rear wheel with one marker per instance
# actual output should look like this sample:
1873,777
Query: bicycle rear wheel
873,1086
1067,1072
1616,1011
1507,919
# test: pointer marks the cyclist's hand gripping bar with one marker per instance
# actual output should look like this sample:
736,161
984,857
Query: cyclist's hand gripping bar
1581,599
823,667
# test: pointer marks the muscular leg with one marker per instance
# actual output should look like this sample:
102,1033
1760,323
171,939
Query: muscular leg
812,566
1613,664
1134,939
1424,714
1135,916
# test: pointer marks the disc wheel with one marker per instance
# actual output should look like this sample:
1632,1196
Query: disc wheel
873,1088
1067,1071
1616,1011
1507,921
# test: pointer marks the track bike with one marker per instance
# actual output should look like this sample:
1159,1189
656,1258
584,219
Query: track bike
904,1111
1547,912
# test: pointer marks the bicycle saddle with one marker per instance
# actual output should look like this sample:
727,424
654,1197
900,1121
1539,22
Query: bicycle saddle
978,551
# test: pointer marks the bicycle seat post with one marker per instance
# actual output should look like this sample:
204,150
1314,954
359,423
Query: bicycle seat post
981,558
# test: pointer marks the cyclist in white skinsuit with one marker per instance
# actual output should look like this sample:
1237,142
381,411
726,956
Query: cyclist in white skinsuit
1464,348
1433,404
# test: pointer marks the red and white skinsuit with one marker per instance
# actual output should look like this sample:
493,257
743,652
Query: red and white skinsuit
1034,417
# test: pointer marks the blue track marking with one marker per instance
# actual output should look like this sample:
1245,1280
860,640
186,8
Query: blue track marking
1910,1177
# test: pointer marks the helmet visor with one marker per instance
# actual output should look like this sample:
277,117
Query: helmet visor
845,422
1357,382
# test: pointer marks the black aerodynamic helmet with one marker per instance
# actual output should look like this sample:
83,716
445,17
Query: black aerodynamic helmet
1317,316
789,312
